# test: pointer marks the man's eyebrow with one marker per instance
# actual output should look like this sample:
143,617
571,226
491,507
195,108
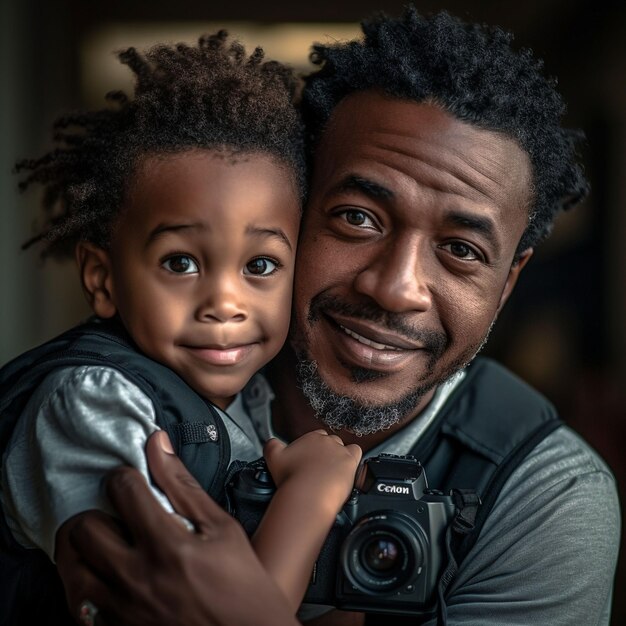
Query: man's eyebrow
369,187
477,223
268,232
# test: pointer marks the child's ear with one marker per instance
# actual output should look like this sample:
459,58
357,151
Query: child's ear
94,265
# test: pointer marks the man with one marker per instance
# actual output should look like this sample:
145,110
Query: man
438,164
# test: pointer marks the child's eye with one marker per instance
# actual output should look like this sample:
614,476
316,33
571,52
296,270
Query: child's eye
260,267
180,264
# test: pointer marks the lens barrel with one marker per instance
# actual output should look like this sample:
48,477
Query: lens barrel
384,552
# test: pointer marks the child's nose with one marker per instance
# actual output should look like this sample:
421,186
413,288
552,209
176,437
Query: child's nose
222,303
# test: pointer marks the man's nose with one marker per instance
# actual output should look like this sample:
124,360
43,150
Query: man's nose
222,300
398,280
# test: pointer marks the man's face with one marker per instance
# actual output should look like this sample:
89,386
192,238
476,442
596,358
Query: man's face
407,247
201,265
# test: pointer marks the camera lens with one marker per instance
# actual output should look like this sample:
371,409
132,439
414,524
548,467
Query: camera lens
383,552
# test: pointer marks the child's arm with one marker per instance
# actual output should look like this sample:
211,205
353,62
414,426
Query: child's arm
314,476
78,423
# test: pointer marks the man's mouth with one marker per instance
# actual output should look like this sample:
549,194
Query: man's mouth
367,345
367,337
366,341
374,335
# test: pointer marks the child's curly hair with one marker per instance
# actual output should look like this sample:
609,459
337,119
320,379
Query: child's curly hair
470,70
209,96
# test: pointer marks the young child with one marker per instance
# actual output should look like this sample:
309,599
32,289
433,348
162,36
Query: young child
181,206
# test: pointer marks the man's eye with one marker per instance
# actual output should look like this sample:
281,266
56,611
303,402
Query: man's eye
260,267
462,251
180,264
356,217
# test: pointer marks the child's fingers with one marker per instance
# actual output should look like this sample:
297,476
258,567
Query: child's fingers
355,450
320,431
336,438
273,446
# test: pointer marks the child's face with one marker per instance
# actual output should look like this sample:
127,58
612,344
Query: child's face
202,261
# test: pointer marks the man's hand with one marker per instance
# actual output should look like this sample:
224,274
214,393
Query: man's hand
159,572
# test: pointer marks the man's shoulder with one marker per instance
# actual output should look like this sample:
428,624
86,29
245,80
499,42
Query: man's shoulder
493,412
562,452
499,383
548,548
562,457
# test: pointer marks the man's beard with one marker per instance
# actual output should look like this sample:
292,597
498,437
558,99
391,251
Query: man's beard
348,413
344,413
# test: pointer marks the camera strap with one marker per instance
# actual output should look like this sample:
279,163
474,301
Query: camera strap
466,502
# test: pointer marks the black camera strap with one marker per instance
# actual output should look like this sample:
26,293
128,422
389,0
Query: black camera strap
466,502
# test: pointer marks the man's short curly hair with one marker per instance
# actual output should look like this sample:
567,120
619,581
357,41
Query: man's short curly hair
471,71
208,96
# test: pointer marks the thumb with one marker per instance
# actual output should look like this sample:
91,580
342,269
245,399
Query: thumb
181,488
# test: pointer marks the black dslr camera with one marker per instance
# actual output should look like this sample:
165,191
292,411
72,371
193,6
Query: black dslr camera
385,552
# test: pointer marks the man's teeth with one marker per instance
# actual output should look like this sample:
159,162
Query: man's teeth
367,342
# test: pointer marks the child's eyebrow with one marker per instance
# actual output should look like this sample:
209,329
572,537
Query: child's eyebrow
250,230
165,228
269,232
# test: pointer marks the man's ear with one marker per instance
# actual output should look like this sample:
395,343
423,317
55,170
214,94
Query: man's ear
514,273
94,265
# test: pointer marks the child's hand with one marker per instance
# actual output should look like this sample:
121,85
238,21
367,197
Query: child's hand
317,464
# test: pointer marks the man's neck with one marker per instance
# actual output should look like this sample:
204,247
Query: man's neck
292,415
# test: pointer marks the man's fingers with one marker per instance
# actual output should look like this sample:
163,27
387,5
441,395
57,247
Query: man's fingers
94,590
80,582
99,541
136,505
182,490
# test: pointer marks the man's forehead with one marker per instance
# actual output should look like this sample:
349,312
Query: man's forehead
364,112
376,130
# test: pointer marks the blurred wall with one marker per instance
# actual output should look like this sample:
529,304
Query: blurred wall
564,329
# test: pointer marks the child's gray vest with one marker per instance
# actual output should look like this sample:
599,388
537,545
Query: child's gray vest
30,590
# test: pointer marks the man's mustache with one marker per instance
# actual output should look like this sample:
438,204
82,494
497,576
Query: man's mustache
433,341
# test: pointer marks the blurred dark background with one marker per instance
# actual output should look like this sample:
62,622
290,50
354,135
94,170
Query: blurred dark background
564,329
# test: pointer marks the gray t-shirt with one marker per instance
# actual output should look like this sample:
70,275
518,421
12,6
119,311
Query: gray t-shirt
546,555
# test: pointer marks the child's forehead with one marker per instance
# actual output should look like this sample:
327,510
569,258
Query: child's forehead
212,186
212,161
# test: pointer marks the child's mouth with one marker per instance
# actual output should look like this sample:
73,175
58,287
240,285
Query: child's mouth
231,355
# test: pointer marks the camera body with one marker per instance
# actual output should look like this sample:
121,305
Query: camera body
386,549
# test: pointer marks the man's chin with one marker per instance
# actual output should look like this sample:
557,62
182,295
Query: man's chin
343,412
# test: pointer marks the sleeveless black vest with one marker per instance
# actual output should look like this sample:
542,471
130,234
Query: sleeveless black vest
483,432
30,589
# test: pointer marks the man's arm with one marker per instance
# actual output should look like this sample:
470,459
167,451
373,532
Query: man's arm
158,572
